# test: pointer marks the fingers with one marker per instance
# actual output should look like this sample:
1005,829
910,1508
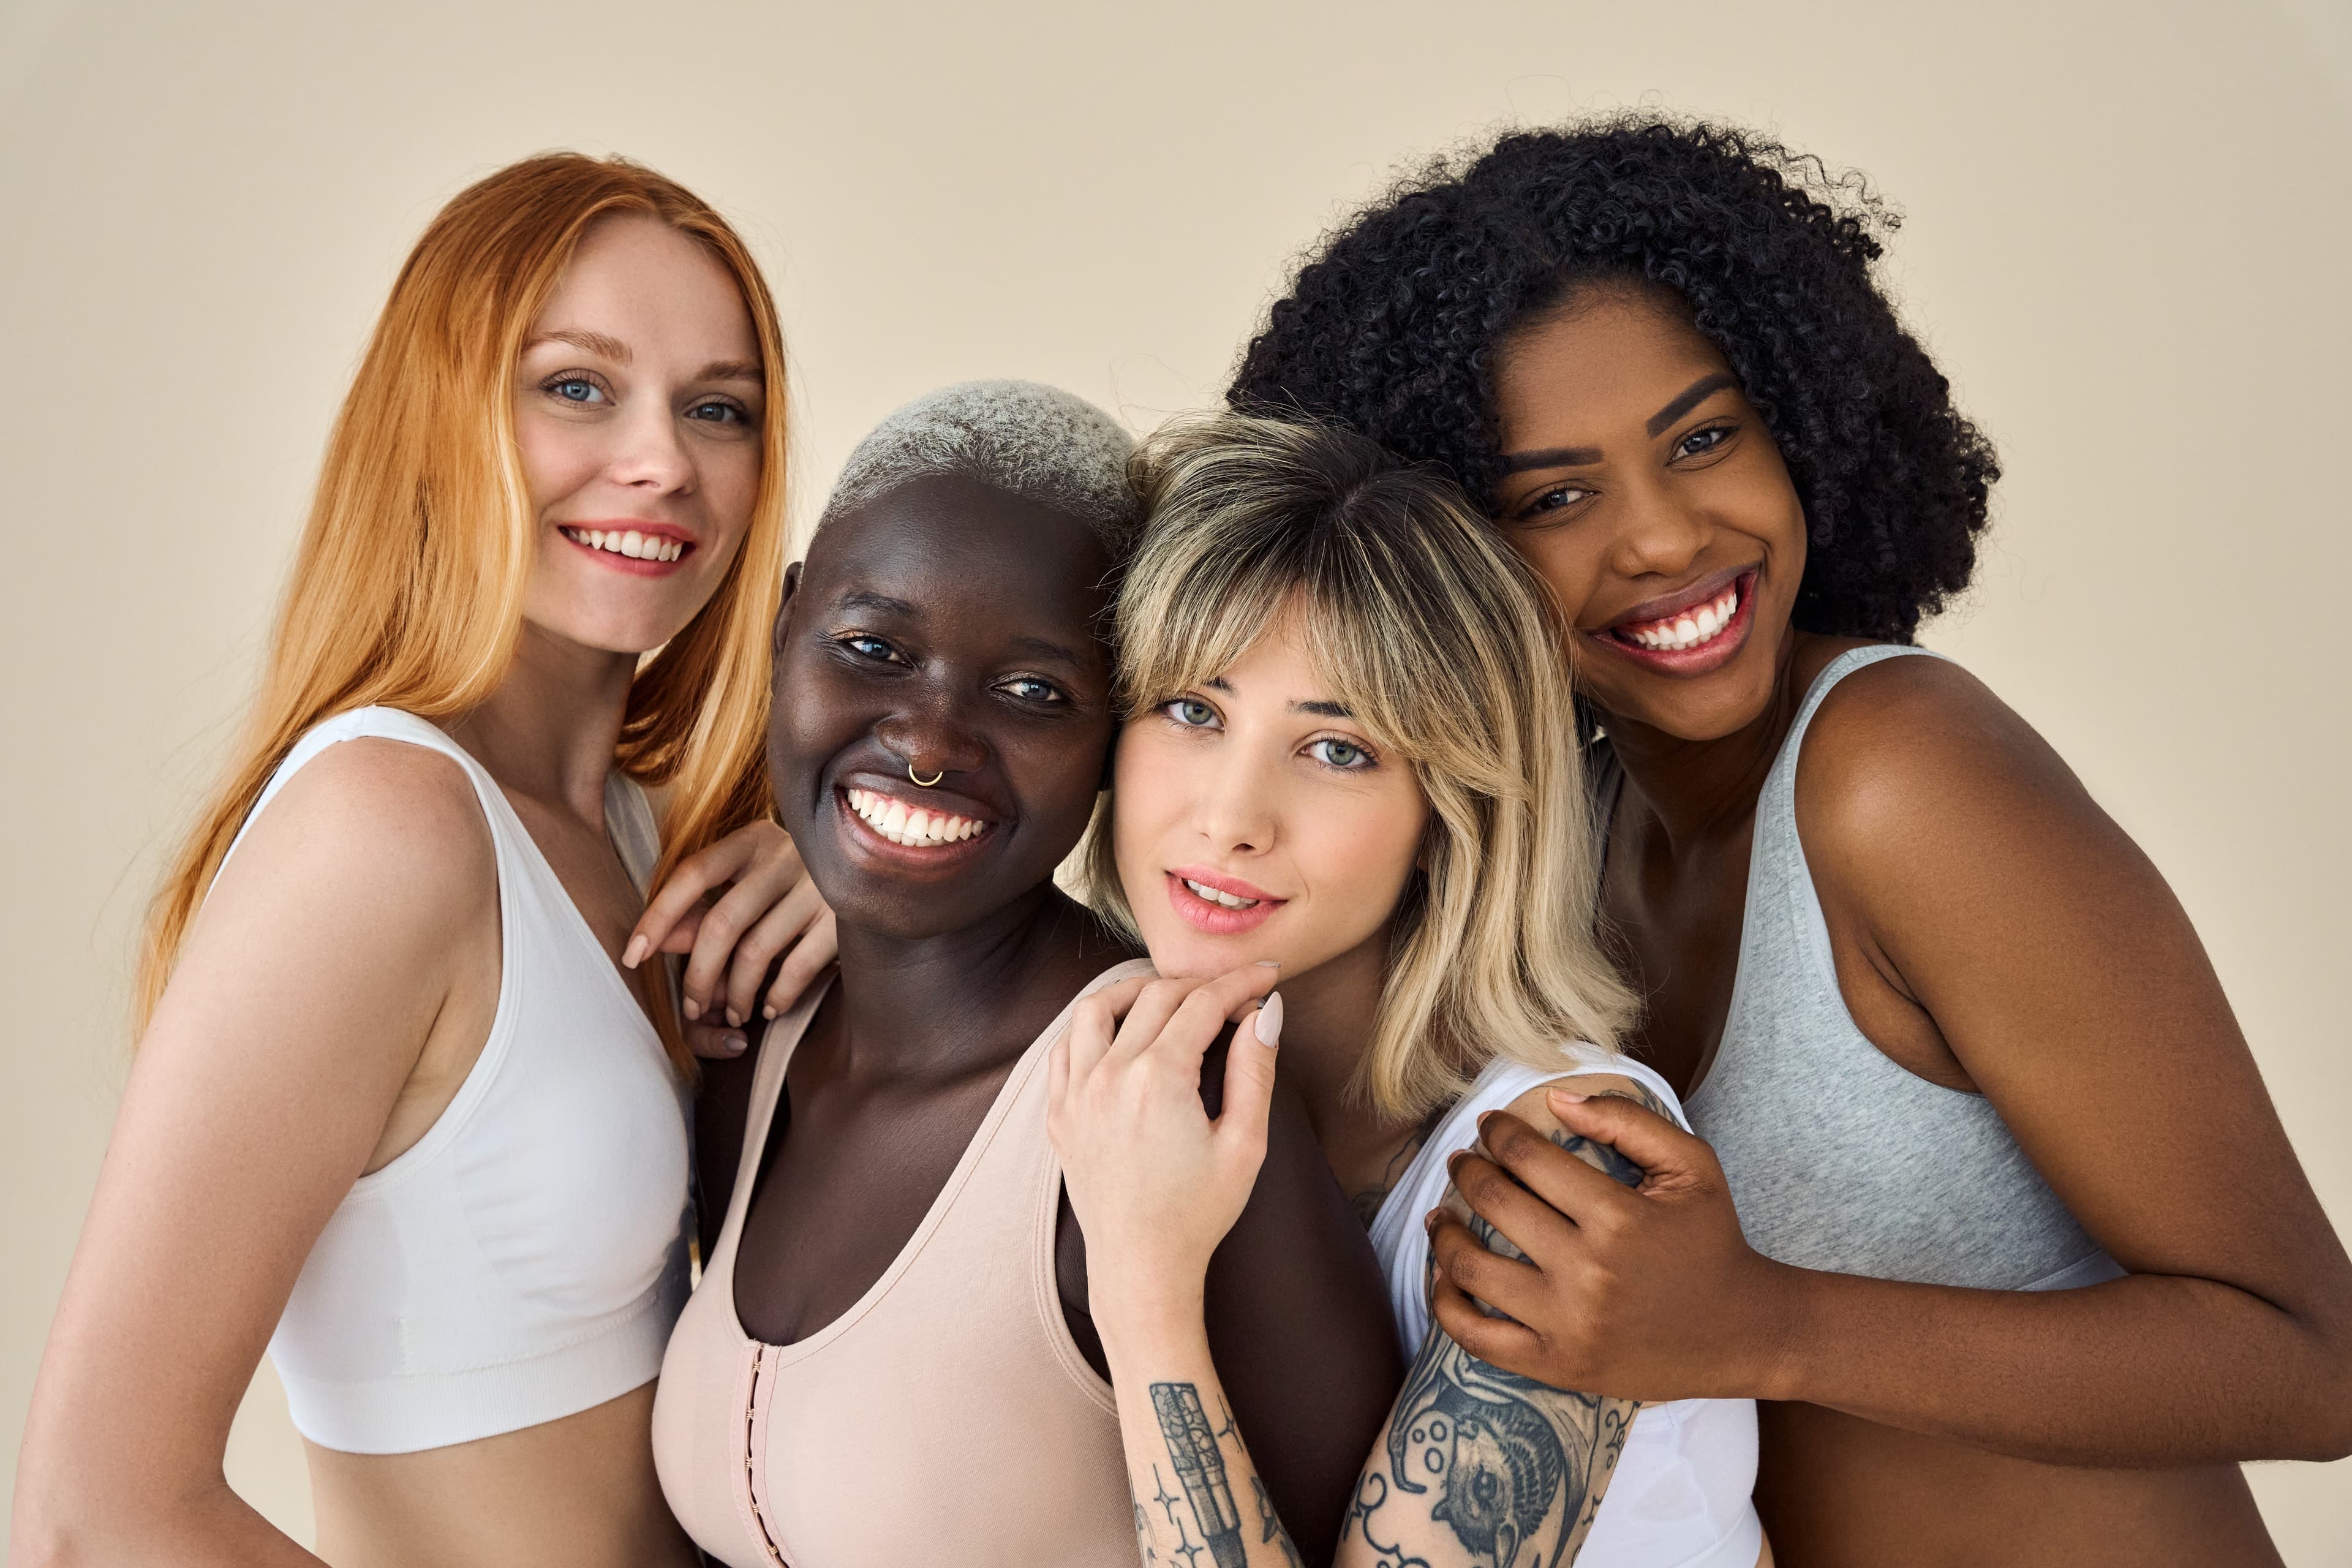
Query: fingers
1512,1285
1498,1341
713,1043
810,957
1670,1158
1094,1023
773,931
1201,1011
1522,1218
1556,1176
693,877
1249,1078
729,924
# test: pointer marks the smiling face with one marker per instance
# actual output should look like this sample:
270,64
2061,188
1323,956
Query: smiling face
947,629
1644,490
637,414
1257,819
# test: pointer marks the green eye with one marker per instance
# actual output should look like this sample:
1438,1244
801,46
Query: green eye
1342,754
1191,712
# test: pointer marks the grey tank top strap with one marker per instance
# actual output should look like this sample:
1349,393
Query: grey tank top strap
1838,1159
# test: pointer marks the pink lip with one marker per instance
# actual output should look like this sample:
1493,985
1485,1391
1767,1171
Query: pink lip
623,563
1216,920
1709,656
931,857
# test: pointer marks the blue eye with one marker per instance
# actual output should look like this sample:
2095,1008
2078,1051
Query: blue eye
577,389
868,648
1189,712
716,412
1346,755
1029,689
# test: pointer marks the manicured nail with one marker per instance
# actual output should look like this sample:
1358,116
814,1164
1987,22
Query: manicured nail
1269,1021
734,1019
693,1009
733,1044
635,951
1270,963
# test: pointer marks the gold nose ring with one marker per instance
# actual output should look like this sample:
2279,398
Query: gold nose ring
923,783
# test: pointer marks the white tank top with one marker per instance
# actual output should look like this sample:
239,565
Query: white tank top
525,1259
1683,1496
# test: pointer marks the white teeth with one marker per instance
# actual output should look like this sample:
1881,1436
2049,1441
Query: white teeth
918,827
629,543
1217,896
1689,629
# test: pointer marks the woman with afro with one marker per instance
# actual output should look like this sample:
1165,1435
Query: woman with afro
1986,1197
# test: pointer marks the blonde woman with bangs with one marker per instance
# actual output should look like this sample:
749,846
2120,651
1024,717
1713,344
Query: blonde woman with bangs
1350,751
406,1107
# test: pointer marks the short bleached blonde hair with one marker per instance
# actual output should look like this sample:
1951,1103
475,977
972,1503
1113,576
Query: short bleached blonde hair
1437,638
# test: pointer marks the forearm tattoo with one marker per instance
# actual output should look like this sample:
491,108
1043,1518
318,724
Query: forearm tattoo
1196,1454
1482,1465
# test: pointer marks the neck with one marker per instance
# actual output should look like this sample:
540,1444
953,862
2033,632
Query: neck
550,729
921,1004
1701,789
1328,1016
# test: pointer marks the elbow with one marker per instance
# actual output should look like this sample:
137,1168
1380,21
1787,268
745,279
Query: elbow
2322,1425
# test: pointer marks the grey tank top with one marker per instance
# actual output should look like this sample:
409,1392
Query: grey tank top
1838,1158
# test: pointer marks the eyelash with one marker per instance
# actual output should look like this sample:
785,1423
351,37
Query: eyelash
1168,711
1055,696
1536,505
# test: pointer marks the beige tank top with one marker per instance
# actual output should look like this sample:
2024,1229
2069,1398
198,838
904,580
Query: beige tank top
946,1413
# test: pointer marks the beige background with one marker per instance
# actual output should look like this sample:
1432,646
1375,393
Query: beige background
2127,240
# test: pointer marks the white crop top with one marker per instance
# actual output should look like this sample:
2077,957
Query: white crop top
525,1259
1683,1496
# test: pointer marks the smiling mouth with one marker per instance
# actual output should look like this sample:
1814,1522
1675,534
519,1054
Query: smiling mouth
1218,896
628,542
911,828
1690,627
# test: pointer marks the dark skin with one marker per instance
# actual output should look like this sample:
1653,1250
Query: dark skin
1994,932
949,627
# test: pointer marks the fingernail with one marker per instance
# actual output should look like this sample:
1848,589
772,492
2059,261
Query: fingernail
734,1019
769,1011
1481,1120
1270,963
1456,1158
633,952
1269,1021
1571,1099
1429,1220
693,1009
733,1044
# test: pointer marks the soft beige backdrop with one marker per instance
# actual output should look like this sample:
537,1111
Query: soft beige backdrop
2128,241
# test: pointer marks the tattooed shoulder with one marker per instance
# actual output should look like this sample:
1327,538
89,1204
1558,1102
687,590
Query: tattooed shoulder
1532,1108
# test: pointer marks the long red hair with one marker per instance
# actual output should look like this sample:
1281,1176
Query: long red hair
408,588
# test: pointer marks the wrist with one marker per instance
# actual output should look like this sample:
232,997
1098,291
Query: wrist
1789,1304
1143,1307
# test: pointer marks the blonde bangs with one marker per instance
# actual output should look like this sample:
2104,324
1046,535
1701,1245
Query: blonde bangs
1436,636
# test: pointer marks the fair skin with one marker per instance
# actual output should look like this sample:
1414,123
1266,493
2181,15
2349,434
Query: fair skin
340,981
1261,786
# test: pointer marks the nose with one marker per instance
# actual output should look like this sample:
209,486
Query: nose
1658,534
651,456
1238,806
928,736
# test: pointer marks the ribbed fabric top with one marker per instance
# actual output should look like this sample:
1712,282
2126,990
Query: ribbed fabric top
525,1259
1838,1158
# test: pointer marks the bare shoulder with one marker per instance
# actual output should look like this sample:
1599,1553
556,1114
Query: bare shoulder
1913,762
394,824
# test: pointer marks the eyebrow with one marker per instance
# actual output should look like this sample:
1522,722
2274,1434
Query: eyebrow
1696,393
732,370
880,604
1690,397
612,348
1319,708
1052,650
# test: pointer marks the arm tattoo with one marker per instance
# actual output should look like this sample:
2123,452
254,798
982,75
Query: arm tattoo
1610,1162
1195,1451
1487,1464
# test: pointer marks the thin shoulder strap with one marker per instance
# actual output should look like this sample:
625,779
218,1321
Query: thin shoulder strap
629,821
1837,670
777,1043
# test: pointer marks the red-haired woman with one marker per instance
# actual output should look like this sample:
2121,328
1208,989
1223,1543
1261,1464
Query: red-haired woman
399,1110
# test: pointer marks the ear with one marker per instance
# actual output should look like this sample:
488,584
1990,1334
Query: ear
784,609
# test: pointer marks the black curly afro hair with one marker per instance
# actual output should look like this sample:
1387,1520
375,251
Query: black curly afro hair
1393,329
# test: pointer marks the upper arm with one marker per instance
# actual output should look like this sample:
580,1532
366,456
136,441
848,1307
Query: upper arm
1477,1465
722,1114
1299,1326
302,999
1992,891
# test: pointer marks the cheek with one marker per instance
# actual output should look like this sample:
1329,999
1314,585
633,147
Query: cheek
1568,560
557,459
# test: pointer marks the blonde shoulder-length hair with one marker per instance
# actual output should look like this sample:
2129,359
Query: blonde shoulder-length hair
1436,638
407,589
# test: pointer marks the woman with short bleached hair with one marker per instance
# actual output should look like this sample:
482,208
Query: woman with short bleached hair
405,1108
1348,749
